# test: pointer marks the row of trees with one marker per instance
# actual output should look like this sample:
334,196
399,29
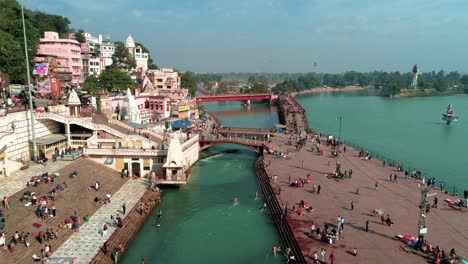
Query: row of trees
387,83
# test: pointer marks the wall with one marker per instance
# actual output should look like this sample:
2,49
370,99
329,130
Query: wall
20,147
190,150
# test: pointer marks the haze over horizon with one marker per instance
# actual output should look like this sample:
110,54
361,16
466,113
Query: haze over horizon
281,35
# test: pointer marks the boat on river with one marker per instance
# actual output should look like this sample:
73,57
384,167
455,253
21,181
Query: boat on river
449,117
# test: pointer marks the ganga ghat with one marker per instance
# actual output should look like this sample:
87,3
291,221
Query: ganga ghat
200,222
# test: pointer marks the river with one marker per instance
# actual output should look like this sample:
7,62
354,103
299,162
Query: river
200,224
407,130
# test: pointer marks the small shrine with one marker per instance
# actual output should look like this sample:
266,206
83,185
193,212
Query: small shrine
175,162
74,104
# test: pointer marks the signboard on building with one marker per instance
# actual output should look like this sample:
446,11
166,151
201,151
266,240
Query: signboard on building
184,108
41,69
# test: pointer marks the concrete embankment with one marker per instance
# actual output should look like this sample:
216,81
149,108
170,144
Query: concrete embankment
133,221
279,220
400,200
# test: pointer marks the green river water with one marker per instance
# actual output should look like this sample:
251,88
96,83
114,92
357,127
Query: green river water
201,225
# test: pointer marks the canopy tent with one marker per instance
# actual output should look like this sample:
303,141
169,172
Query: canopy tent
181,124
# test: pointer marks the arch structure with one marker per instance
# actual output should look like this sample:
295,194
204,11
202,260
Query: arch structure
256,145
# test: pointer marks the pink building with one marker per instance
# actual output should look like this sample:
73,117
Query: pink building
158,107
67,51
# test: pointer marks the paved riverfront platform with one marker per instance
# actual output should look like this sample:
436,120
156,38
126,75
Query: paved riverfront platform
447,227
76,197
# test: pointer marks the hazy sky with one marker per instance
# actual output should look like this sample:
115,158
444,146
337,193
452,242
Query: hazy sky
282,35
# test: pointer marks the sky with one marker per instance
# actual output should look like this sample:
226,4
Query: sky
282,35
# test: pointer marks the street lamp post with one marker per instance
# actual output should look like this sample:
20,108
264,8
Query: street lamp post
31,111
339,129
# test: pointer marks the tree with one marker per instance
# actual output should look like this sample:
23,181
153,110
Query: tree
122,58
464,82
259,87
114,79
92,85
188,82
222,88
80,37
11,58
11,36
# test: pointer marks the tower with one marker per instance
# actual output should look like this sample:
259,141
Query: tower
130,45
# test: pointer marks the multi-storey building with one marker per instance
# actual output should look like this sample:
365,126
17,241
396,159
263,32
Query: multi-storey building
165,78
67,51
106,52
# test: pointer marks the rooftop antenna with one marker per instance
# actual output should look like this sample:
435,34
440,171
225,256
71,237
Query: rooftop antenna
423,211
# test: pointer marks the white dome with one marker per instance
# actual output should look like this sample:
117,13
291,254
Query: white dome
130,43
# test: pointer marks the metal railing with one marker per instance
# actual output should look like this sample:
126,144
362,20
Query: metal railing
125,152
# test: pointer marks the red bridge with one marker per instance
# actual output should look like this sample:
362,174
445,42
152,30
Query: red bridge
236,97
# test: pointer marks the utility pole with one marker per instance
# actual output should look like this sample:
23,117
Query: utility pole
31,111
423,211
339,130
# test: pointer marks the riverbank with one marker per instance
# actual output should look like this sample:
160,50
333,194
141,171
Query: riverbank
329,90
407,93
134,220
446,225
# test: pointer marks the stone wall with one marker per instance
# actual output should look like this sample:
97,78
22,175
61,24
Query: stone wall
19,148
191,150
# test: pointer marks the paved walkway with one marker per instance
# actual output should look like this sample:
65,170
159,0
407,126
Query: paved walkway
447,227
84,245
17,181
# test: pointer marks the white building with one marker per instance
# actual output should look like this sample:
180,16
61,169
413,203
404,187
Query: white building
94,66
107,50
141,58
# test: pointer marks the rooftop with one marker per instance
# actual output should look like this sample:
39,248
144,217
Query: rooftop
51,139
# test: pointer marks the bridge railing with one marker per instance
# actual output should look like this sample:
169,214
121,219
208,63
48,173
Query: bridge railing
125,152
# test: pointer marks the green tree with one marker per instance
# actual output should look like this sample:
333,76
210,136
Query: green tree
188,82
114,79
222,88
92,85
122,57
259,87
80,37
11,58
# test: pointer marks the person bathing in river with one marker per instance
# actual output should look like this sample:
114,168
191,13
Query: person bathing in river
236,200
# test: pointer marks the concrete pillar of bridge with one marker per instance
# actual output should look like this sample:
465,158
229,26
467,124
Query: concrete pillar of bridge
67,132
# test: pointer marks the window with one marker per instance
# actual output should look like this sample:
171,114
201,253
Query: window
146,168
160,160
